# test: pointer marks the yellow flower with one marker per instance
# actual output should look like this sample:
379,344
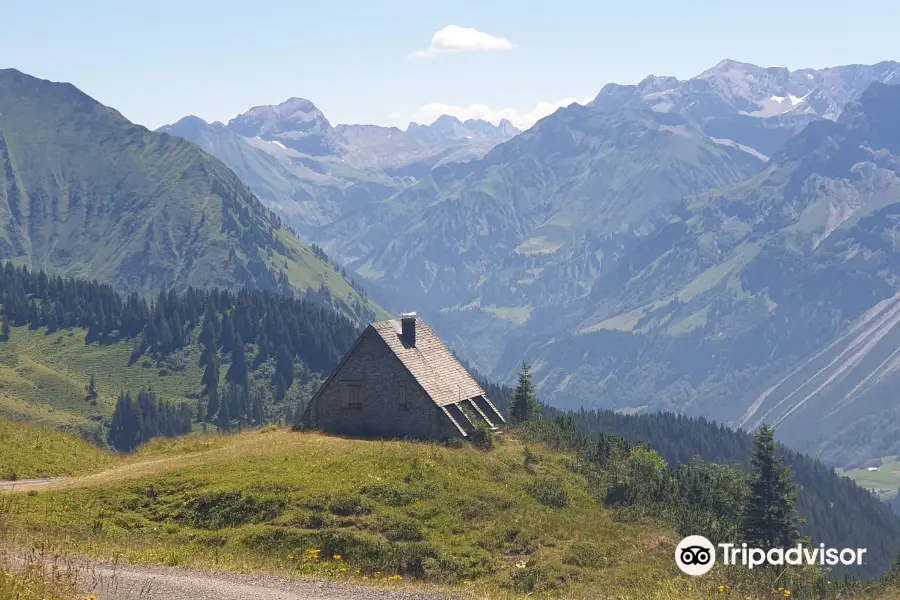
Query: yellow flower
721,588
337,557
291,556
787,593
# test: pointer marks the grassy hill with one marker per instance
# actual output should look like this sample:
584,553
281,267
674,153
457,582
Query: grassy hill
518,519
44,377
28,451
58,335
85,192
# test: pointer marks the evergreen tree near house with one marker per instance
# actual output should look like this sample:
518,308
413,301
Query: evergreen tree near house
770,517
284,371
137,421
524,405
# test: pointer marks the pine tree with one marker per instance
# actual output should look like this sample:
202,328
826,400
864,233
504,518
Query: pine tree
92,388
226,336
237,370
259,414
525,404
208,334
770,517
212,404
210,378
284,371
223,420
125,428
4,329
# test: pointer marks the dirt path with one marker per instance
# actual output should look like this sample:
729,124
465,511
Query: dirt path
129,470
132,582
25,485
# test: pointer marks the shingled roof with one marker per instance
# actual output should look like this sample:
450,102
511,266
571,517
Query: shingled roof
442,377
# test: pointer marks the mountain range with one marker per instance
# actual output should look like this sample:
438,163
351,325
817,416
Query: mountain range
597,245
721,246
314,174
84,192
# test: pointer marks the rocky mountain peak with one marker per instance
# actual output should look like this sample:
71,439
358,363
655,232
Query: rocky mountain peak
296,124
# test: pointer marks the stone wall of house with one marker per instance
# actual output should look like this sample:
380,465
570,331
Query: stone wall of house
380,374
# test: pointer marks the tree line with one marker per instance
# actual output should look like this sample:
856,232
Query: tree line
708,465
276,347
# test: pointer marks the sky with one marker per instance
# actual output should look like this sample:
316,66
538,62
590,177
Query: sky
391,61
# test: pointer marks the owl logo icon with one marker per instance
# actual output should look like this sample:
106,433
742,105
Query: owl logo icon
695,555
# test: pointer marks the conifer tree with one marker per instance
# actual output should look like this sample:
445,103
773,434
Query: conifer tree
125,428
525,404
210,383
223,420
226,336
284,371
770,517
237,370
92,388
208,334
4,329
212,404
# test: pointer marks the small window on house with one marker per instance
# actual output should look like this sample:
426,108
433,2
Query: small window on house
404,405
354,395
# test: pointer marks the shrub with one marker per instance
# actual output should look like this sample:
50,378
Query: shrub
212,510
406,530
346,505
395,494
590,555
533,578
548,492
530,459
483,506
482,437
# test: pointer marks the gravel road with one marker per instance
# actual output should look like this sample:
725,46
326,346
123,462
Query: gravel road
25,485
109,581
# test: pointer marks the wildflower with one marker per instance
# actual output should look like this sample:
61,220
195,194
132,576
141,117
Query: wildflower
291,556
337,557
722,588
787,593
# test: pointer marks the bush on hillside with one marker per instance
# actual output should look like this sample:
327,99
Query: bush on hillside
549,492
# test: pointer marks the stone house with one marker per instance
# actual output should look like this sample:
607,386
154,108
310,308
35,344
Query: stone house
400,381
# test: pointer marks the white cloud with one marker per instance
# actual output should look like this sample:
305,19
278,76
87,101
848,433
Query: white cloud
523,119
454,38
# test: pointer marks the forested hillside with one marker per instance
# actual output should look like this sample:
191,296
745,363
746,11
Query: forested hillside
86,193
838,512
229,360
237,358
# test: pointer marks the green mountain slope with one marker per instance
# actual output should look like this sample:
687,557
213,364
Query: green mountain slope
59,335
519,237
773,300
84,192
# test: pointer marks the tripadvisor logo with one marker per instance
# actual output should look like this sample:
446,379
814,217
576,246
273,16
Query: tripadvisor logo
696,555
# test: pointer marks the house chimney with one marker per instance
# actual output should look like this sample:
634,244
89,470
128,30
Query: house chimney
408,328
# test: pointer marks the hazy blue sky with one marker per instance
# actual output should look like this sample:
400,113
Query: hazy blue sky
356,60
